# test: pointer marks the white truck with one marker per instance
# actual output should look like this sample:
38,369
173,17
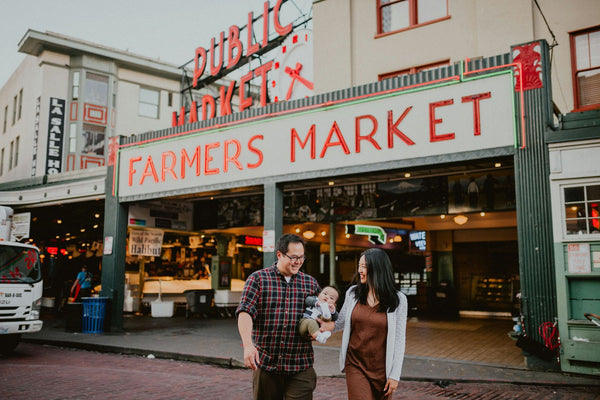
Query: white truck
20,286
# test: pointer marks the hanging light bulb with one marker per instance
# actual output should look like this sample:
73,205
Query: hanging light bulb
461,219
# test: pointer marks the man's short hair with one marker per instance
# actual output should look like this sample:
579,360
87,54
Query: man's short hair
284,242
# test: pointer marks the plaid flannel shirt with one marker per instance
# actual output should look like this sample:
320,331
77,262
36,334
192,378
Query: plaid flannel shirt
276,306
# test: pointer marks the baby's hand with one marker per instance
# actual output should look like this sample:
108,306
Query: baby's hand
332,308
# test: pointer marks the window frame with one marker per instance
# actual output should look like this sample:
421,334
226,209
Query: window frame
412,17
14,116
5,118
587,218
574,71
16,157
413,70
140,102
20,104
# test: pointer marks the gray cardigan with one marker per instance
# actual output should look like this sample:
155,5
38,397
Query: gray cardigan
396,334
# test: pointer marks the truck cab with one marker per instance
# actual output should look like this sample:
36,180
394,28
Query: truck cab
20,292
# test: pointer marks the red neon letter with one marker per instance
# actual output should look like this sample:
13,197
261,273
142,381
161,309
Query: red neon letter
149,170
369,137
168,168
185,160
131,169
393,128
215,69
281,30
233,41
226,100
265,24
208,159
476,115
193,113
208,100
433,137
251,48
199,70
234,159
335,129
262,72
245,102
255,151
311,136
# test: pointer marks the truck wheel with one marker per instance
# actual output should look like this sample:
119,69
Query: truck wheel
8,343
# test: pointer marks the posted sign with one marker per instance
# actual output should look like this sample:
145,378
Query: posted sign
145,243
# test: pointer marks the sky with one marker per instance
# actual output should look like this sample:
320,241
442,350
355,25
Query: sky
169,30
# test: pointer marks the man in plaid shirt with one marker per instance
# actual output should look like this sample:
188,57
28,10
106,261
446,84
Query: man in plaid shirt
271,306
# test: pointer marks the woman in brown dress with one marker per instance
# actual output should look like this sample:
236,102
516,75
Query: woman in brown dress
374,321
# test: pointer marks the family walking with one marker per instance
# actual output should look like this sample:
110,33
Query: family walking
373,318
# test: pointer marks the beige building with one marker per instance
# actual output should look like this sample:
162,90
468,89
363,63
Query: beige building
380,39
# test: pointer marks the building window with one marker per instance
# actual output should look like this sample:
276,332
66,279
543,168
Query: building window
75,93
16,157
20,103
2,162
585,54
14,119
96,89
582,210
5,119
413,70
398,15
10,155
93,140
148,106
170,102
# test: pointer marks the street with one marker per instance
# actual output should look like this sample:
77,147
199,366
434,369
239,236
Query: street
45,372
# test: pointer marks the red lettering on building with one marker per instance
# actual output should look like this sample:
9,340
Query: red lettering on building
232,159
131,169
186,161
393,128
369,137
256,151
341,142
226,99
245,102
208,158
149,170
310,135
167,166
476,111
233,45
433,121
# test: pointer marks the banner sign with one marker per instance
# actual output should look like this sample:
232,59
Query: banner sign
56,130
145,243
452,118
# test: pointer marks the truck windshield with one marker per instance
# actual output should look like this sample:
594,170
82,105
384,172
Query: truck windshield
19,265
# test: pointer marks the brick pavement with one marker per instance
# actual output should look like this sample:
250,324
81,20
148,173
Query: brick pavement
48,372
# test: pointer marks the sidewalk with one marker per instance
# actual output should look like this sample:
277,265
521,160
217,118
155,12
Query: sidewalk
216,341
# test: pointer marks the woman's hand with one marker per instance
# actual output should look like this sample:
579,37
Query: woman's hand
390,387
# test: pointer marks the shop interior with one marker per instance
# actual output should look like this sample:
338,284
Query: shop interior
449,253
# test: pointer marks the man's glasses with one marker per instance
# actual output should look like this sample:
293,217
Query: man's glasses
296,259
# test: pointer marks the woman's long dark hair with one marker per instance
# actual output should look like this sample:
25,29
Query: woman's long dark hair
379,277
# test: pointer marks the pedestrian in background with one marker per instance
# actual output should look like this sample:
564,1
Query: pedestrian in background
271,305
373,318
82,285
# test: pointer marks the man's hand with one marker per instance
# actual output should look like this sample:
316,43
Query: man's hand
326,325
251,357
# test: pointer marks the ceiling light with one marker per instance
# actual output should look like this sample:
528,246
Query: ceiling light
297,230
391,240
443,216
397,238
82,230
59,221
331,183
347,236
308,234
497,165
482,213
97,215
407,175
95,226
323,233
461,219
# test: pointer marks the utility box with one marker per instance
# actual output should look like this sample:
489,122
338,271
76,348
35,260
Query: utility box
575,191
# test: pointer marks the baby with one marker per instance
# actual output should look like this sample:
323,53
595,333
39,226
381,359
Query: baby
322,306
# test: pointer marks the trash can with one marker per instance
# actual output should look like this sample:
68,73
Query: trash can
73,317
198,301
94,310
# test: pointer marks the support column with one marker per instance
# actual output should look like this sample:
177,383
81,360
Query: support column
113,264
273,217
332,266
